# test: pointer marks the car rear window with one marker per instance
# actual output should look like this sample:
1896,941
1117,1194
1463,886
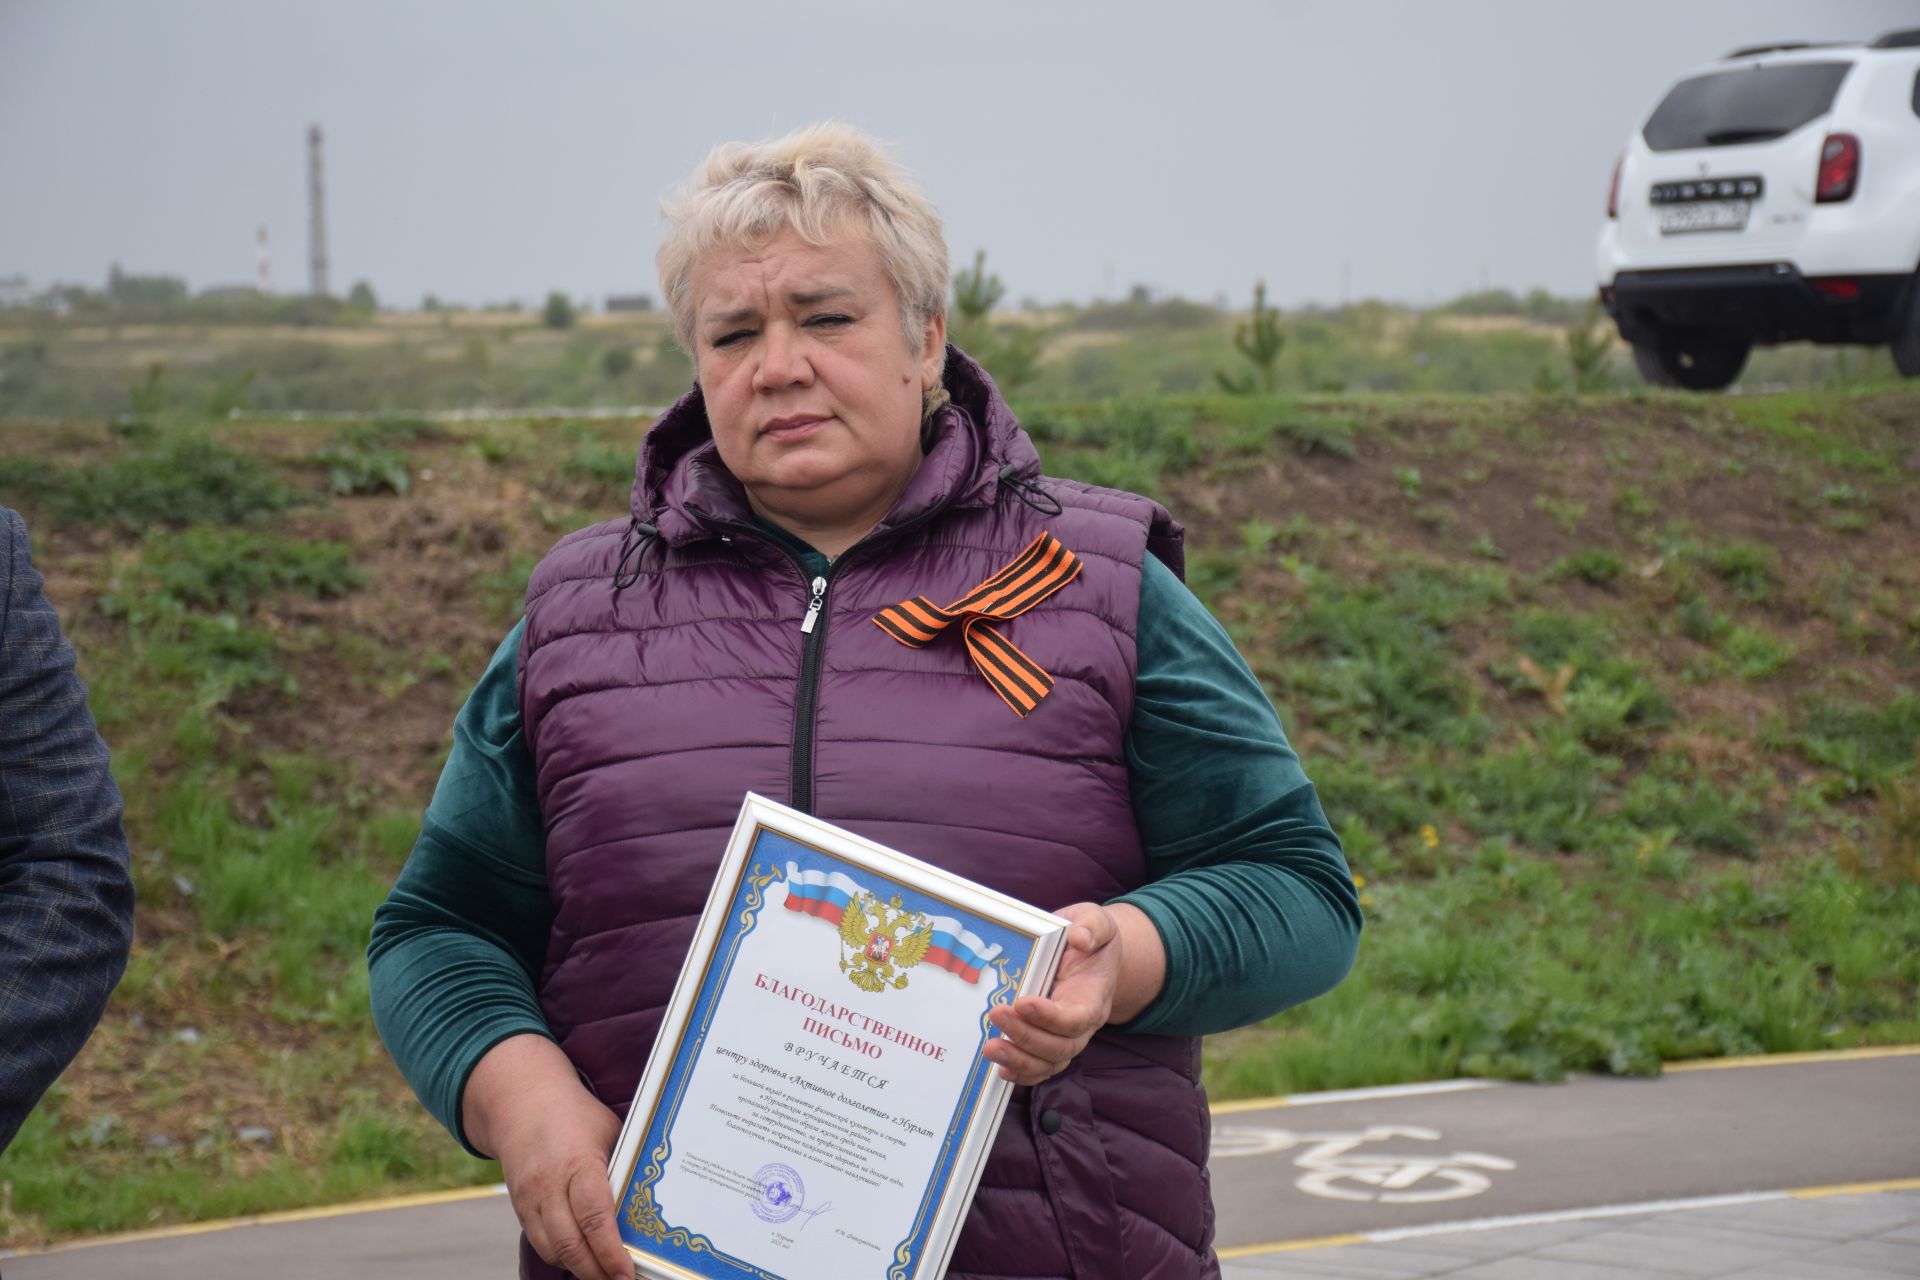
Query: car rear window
1750,104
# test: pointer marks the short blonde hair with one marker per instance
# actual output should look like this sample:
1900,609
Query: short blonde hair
818,180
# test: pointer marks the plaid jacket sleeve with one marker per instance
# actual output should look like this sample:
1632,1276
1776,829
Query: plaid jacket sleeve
66,890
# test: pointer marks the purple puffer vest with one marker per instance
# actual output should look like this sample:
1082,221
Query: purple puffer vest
652,708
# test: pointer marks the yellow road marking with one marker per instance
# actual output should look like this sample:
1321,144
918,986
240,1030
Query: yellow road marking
264,1220
1788,1059
1856,1189
1287,1246
1247,1104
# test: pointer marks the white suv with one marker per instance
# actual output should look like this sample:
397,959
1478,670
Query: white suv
1772,197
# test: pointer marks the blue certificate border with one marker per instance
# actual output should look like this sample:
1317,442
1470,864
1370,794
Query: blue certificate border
769,851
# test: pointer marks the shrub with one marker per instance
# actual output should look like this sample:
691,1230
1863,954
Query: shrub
1889,851
1595,566
149,396
232,569
25,479
1544,795
1587,345
1259,339
1383,664
1864,743
361,469
1011,353
1608,698
1125,444
1750,568
182,479
229,395
1697,810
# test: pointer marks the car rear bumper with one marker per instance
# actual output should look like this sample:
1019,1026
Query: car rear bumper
1767,302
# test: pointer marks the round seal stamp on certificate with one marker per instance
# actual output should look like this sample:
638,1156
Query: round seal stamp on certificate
782,1193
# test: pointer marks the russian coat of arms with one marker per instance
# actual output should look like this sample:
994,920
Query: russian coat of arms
874,954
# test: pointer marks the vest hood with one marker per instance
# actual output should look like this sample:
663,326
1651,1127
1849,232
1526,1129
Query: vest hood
681,487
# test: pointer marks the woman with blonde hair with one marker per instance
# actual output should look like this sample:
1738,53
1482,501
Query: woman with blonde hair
1105,753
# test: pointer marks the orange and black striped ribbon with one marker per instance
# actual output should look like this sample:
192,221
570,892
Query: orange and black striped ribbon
1033,575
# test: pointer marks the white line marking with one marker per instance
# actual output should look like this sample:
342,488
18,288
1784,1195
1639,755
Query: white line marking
1391,1091
1242,1105
1575,1215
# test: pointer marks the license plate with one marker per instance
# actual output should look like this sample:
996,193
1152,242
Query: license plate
1705,215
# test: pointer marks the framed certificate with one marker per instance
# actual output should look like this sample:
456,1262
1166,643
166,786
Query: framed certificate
816,1103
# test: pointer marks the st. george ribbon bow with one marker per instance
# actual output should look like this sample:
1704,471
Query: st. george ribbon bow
1033,575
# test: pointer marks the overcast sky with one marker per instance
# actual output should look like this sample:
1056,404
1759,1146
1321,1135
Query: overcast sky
489,149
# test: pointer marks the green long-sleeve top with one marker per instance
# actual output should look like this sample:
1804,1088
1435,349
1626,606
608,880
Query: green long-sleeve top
1247,885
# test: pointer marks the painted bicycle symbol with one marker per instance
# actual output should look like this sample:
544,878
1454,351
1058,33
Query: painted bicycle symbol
1335,1170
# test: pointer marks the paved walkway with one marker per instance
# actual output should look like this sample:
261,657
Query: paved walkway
1795,1165
1862,1236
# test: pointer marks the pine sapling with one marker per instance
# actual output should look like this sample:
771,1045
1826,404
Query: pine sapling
1259,339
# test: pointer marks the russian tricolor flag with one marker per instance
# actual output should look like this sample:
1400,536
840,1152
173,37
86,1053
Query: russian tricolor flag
825,894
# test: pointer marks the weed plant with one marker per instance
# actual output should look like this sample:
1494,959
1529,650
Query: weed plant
183,477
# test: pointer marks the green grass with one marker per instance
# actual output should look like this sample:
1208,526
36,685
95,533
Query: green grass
1864,743
1817,427
182,477
1132,444
1512,965
1596,566
234,569
1608,809
82,1178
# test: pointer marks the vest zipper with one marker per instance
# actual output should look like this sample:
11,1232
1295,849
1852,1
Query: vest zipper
813,625
818,598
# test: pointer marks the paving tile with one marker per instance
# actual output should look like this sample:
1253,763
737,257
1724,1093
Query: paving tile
1834,1219
1245,1269
1688,1227
1497,1242
1850,1216
1407,1259
1534,1267
1671,1252
1886,1255
1902,1235
1799,1270
1320,1264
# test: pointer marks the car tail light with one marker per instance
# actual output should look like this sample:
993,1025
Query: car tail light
1613,189
1838,288
1839,169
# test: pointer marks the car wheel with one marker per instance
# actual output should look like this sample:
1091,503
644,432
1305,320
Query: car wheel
1696,359
1906,339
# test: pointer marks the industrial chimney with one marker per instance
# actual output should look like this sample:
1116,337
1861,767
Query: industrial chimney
316,217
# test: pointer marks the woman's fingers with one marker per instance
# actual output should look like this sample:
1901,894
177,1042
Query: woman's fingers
1021,1067
591,1203
571,1225
1040,1035
1070,1013
552,1138
1030,1037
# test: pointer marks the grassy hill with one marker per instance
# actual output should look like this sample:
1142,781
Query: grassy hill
1614,700
99,364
